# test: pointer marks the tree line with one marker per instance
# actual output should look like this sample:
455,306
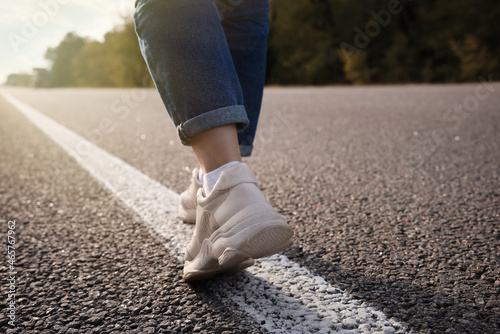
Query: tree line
115,62
315,42
383,41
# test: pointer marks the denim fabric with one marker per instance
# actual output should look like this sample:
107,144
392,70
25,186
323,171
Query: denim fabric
207,59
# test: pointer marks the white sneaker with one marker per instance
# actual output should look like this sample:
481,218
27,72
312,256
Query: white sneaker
234,225
187,200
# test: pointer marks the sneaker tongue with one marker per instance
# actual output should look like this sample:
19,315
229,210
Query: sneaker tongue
231,176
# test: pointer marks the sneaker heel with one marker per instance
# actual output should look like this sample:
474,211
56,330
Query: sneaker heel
270,241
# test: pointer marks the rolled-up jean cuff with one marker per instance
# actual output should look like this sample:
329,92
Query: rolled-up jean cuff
228,115
246,150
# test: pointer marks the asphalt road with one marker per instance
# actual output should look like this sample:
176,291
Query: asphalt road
393,194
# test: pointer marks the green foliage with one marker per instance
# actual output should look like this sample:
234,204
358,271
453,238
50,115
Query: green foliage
90,66
116,62
474,57
61,58
127,68
300,43
330,41
356,69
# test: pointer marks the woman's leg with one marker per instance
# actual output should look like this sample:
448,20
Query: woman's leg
216,147
246,26
185,48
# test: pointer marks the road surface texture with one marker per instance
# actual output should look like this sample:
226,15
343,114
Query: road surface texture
393,193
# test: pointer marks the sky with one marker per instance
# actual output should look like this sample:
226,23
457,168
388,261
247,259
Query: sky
29,27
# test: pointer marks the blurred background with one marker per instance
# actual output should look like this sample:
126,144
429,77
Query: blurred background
312,42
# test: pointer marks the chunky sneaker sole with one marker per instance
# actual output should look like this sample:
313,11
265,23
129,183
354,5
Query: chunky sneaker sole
237,244
234,226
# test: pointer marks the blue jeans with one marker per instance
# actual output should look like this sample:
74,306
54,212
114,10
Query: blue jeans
207,59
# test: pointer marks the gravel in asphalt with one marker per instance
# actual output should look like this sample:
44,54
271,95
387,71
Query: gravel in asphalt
393,193
85,263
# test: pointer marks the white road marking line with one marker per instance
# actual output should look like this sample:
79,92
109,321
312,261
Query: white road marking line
279,294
